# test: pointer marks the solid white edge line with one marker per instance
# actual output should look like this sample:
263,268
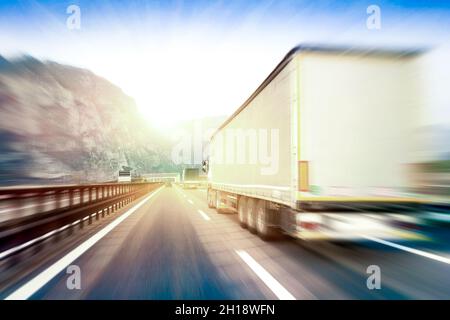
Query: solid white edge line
204,215
32,286
265,276
410,250
190,201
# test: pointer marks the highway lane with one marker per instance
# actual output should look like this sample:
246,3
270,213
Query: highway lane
332,271
155,254
175,247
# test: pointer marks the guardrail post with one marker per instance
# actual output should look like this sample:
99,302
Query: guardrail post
81,196
70,197
40,201
57,236
57,195
17,203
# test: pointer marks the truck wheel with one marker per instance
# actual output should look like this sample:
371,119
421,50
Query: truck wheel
242,212
251,219
217,200
262,221
211,200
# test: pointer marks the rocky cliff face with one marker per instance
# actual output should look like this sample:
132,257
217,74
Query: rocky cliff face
60,124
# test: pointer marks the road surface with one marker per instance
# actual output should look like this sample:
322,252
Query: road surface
172,246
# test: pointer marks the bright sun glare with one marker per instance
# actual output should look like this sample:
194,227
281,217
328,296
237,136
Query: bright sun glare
171,85
177,68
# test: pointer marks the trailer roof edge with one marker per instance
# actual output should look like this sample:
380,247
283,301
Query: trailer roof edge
396,52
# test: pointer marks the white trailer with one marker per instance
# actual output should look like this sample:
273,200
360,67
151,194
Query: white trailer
324,148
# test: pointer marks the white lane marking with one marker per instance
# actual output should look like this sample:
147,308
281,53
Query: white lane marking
190,201
32,286
410,250
265,276
204,215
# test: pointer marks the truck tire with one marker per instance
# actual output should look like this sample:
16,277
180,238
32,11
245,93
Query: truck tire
211,200
265,231
251,218
217,201
242,212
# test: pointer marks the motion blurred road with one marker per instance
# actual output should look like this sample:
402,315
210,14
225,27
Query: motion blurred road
175,247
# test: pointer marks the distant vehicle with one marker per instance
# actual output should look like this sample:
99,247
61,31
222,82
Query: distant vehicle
191,178
124,176
168,184
340,123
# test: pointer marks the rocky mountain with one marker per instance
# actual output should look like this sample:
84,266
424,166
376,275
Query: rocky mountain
61,124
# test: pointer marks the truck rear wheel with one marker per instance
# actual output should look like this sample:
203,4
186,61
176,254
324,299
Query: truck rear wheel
251,219
211,200
265,231
242,212
217,201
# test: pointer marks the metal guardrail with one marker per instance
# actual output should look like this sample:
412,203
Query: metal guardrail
29,214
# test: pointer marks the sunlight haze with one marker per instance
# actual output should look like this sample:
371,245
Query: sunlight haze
181,61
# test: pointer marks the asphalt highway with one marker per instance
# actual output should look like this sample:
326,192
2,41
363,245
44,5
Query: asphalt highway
170,245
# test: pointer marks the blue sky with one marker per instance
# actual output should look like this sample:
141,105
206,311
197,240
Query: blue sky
153,49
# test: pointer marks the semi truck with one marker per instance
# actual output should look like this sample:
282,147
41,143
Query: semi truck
191,178
325,148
